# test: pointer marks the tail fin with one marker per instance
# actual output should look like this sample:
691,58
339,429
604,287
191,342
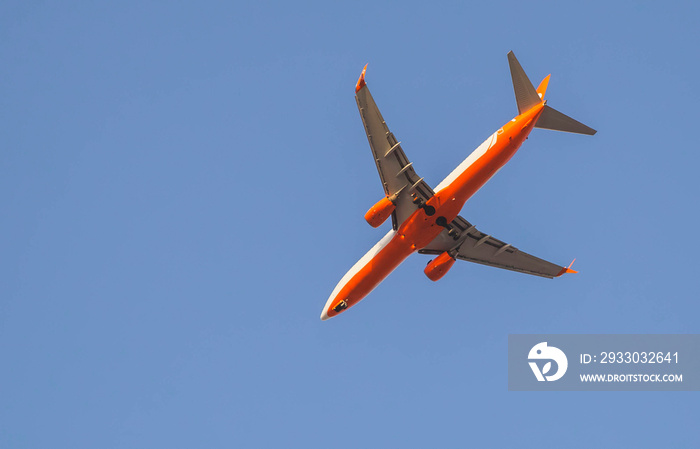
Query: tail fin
527,97
542,88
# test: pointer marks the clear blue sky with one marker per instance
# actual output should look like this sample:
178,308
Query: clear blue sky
182,184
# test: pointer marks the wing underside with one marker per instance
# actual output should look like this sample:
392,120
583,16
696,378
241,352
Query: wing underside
475,246
395,170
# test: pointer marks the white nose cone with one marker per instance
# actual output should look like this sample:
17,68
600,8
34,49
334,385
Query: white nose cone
327,306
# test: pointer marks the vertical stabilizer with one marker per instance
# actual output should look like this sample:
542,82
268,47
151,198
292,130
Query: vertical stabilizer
525,93
542,88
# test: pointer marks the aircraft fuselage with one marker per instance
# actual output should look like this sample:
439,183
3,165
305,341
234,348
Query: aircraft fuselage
420,228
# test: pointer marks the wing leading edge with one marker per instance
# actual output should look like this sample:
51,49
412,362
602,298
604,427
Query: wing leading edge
395,170
474,246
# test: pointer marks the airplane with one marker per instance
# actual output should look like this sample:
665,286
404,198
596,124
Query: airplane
427,220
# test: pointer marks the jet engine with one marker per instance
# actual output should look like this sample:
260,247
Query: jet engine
439,266
377,214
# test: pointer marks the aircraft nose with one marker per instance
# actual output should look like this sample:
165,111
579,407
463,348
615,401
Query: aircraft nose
324,315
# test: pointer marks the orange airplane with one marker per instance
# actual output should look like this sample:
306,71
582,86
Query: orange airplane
427,220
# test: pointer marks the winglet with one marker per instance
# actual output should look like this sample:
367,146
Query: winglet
361,82
567,269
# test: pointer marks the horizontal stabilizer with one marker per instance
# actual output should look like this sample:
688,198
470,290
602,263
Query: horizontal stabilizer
525,93
555,120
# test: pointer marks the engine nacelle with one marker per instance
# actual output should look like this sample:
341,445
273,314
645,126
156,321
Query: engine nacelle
377,214
439,266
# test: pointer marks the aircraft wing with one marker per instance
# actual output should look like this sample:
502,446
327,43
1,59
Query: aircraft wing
475,246
395,170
